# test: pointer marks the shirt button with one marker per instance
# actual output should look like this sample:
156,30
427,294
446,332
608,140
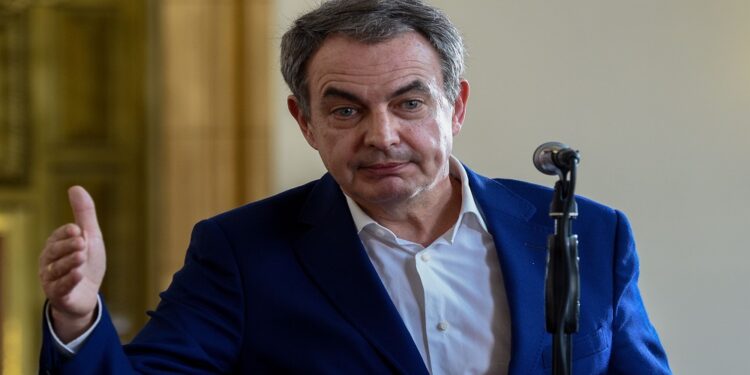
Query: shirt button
442,326
426,257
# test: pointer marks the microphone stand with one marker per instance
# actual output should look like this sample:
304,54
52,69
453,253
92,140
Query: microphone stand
562,283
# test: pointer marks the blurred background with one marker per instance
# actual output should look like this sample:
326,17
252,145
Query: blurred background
171,111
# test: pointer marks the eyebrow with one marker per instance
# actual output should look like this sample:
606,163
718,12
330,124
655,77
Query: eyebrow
333,92
415,85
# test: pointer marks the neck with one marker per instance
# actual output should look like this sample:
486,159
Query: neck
425,218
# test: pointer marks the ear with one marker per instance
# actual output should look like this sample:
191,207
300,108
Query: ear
304,125
459,106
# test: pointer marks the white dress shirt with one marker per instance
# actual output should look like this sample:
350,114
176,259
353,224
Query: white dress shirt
450,294
72,347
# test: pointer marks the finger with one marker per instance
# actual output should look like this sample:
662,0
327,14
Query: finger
63,266
84,210
61,248
64,231
64,285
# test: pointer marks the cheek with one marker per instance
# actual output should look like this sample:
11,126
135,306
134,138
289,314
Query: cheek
447,132
434,138
336,149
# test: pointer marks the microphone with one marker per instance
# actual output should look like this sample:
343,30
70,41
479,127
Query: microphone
562,283
555,158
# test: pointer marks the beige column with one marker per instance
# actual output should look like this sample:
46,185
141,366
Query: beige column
210,143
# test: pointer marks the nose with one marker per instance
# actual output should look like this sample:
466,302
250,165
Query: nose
381,131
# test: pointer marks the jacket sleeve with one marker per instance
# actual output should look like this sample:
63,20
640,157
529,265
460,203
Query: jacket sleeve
635,344
196,328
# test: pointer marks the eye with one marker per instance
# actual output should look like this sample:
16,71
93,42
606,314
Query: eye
411,105
344,112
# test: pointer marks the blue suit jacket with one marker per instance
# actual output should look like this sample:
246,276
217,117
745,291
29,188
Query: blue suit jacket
284,285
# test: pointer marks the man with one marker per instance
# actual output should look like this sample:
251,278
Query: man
398,260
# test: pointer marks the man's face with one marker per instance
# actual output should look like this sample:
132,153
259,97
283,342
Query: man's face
379,117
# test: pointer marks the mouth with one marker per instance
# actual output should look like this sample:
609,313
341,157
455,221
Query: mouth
383,169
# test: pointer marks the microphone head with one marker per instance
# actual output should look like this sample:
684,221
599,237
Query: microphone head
544,157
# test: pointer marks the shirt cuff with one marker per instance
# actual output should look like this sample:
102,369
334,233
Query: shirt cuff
72,347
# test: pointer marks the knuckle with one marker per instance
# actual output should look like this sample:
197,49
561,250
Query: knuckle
51,239
78,257
53,248
75,274
80,242
45,273
71,229
74,243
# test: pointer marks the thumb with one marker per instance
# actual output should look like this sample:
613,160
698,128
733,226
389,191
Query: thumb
84,210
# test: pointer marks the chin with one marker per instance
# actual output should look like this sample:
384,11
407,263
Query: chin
386,195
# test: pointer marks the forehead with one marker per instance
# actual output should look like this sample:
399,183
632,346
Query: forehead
343,61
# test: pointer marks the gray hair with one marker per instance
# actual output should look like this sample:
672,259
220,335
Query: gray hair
369,21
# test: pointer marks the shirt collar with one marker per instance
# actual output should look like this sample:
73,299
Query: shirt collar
468,205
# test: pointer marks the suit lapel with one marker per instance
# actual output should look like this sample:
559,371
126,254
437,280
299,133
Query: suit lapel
333,255
522,253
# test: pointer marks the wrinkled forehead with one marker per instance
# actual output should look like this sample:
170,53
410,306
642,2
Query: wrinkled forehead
402,59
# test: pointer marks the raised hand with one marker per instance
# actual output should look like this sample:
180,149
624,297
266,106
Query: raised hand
71,268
